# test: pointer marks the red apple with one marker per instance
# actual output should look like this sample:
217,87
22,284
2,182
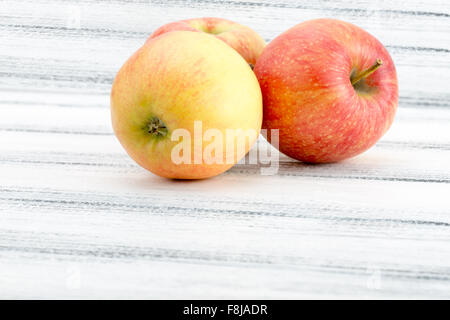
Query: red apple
244,40
329,87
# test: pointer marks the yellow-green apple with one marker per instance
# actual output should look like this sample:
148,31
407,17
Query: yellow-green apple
190,88
329,87
244,40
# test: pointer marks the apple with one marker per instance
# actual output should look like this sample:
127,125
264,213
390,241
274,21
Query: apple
244,40
329,87
191,88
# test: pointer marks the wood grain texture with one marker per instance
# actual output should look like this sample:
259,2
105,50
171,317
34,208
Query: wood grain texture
79,219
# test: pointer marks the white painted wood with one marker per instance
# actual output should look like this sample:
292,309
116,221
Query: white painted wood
79,219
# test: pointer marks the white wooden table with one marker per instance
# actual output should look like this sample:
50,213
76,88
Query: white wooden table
79,219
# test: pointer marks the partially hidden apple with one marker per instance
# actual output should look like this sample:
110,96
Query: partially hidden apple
177,88
329,87
244,40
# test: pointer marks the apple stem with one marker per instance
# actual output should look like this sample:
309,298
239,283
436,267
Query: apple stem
367,72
